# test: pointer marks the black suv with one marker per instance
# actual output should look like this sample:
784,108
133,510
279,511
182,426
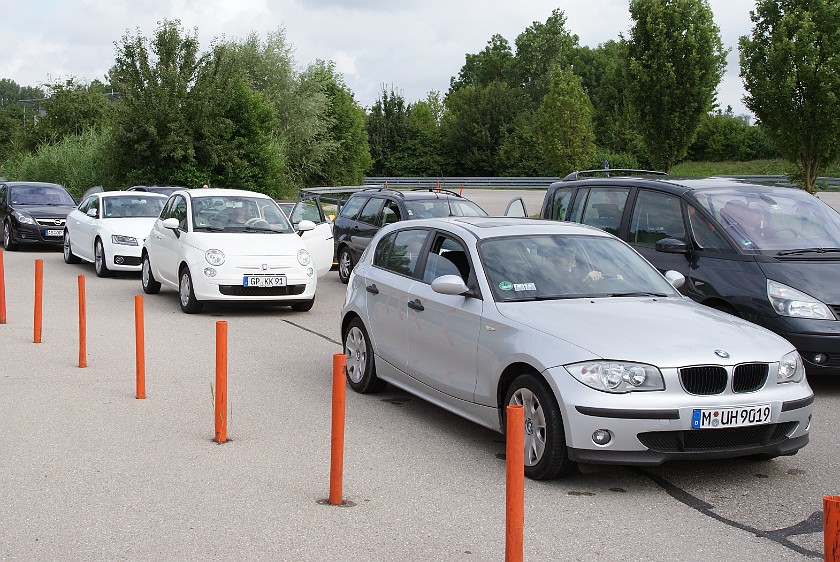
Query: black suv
369,210
766,253
33,213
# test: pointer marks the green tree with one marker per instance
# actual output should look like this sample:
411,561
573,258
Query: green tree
70,109
676,61
791,70
387,126
564,127
491,64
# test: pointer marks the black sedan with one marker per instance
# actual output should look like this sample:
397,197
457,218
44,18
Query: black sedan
33,213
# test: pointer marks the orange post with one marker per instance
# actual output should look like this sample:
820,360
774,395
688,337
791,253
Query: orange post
39,298
221,381
831,528
337,442
2,290
461,191
82,324
139,347
515,498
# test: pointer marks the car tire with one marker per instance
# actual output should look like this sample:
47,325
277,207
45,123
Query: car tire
361,369
345,264
546,456
186,293
69,256
100,260
303,306
147,278
8,245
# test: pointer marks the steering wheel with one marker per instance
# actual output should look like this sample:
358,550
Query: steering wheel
257,221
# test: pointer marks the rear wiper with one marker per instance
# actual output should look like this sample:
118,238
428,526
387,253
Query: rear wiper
807,251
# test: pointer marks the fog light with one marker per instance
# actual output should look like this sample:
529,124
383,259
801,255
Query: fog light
118,260
310,272
601,437
209,272
819,358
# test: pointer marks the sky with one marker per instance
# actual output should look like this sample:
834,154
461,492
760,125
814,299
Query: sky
413,46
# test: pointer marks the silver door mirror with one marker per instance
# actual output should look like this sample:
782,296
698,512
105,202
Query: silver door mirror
171,223
676,278
305,225
92,213
449,285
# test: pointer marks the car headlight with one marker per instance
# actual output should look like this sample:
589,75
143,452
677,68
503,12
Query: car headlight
617,376
787,301
791,368
303,257
24,219
214,257
124,240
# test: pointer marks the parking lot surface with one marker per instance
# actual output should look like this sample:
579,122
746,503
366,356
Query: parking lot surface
89,472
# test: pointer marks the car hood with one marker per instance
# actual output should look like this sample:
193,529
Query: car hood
45,211
668,332
818,279
246,243
137,227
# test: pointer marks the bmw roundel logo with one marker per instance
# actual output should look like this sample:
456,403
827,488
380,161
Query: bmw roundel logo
722,354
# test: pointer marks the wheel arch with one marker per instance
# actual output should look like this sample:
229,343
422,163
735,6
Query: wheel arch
507,377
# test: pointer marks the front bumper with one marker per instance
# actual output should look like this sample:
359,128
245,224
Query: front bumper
228,286
37,234
817,341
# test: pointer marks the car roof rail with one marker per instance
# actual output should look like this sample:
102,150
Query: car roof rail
608,171
437,190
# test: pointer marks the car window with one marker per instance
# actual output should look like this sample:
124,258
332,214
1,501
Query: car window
167,209
400,250
604,207
435,208
391,212
370,212
656,216
94,204
560,204
179,211
446,257
308,210
139,206
706,235
352,207
3,190
577,205
86,204
40,195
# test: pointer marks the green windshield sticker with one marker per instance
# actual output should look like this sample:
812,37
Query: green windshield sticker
505,285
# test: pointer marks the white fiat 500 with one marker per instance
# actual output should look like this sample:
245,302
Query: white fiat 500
611,363
230,245
109,229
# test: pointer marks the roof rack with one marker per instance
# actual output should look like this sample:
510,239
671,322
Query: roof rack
608,171
436,190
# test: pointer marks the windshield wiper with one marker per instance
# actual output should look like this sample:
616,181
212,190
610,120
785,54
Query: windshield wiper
807,251
638,294
210,228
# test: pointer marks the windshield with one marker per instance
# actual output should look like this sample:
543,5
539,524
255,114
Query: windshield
39,195
557,267
238,214
139,206
778,220
436,208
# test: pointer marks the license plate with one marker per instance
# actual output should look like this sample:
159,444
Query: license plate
55,233
718,418
264,281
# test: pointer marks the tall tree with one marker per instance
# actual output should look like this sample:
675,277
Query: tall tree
70,109
791,70
387,127
491,64
676,61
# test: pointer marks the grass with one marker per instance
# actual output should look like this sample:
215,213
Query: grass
748,168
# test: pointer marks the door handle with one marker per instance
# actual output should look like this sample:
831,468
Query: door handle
416,305
372,289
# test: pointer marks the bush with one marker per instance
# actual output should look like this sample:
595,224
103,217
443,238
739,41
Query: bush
614,159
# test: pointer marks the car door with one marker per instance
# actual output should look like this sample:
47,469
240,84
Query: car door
366,226
657,216
388,284
319,240
85,229
602,208
443,346
167,244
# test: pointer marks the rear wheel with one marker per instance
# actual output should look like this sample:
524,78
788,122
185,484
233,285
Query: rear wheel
150,284
100,261
69,256
8,245
361,370
186,294
545,443
345,264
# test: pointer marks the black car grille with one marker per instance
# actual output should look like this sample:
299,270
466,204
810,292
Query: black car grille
712,379
51,222
241,291
703,380
717,439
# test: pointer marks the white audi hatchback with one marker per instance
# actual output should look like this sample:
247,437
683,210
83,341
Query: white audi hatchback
230,245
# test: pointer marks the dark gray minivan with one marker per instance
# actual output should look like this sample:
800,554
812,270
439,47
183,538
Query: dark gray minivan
769,254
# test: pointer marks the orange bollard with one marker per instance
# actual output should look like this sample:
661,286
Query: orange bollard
2,290
515,498
337,442
139,347
221,381
39,298
461,191
82,324
831,528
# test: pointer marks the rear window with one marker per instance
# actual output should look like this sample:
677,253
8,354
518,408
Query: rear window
436,208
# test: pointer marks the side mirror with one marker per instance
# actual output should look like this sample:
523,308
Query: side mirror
171,223
676,278
672,246
305,225
449,285
92,213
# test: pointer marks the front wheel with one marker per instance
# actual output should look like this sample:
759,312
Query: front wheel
8,245
69,256
100,260
345,265
150,284
186,293
361,370
546,457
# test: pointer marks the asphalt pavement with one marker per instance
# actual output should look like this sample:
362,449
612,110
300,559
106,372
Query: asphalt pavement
91,473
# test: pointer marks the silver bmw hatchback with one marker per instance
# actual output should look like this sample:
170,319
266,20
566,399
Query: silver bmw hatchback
611,363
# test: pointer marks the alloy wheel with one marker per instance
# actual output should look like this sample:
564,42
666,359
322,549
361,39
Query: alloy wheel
355,347
535,424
